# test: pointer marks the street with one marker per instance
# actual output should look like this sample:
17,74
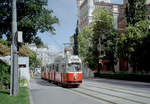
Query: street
92,91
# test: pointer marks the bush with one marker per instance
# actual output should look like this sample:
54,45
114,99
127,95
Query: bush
4,75
23,82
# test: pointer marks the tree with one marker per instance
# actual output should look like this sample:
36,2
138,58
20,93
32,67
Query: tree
100,32
142,51
128,44
133,45
4,49
32,17
85,44
4,75
136,10
104,35
75,48
38,42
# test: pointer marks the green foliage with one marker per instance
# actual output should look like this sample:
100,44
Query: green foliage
99,32
134,45
85,39
136,10
75,48
38,42
4,50
143,26
32,17
23,82
109,41
4,75
102,20
133,41
104,33
6,43
129,41
22,98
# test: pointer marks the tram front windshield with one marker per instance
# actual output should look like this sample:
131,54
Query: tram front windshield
74,67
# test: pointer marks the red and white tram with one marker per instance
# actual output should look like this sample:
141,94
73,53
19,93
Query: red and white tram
65,71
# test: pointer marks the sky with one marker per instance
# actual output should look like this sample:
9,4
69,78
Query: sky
66,11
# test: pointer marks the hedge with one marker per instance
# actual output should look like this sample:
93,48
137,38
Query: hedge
125,76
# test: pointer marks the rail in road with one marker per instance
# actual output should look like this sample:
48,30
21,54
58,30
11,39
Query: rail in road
113,94
98,92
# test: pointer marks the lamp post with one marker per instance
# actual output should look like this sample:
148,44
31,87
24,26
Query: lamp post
14,57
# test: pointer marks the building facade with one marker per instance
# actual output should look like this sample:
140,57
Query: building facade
43,54
86,8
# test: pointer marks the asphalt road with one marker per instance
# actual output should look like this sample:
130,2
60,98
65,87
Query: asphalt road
92,91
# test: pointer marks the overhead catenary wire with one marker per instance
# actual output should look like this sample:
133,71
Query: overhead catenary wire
60,47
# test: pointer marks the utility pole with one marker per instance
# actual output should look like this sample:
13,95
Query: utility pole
14,57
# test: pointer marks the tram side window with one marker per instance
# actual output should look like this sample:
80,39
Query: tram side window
63,67
53,67
57,67
42,69
50,68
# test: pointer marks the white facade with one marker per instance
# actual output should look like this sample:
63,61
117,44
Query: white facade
43,54
32,47
23,63
46,56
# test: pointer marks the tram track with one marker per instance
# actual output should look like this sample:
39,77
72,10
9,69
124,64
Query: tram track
139,94
120,88
111,95
92,90
92,96
110,99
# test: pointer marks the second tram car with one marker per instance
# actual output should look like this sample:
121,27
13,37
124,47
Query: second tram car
65,71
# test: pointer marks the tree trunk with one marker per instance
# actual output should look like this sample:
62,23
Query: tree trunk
117,66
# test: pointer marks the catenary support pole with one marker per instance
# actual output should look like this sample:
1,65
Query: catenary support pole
14,57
